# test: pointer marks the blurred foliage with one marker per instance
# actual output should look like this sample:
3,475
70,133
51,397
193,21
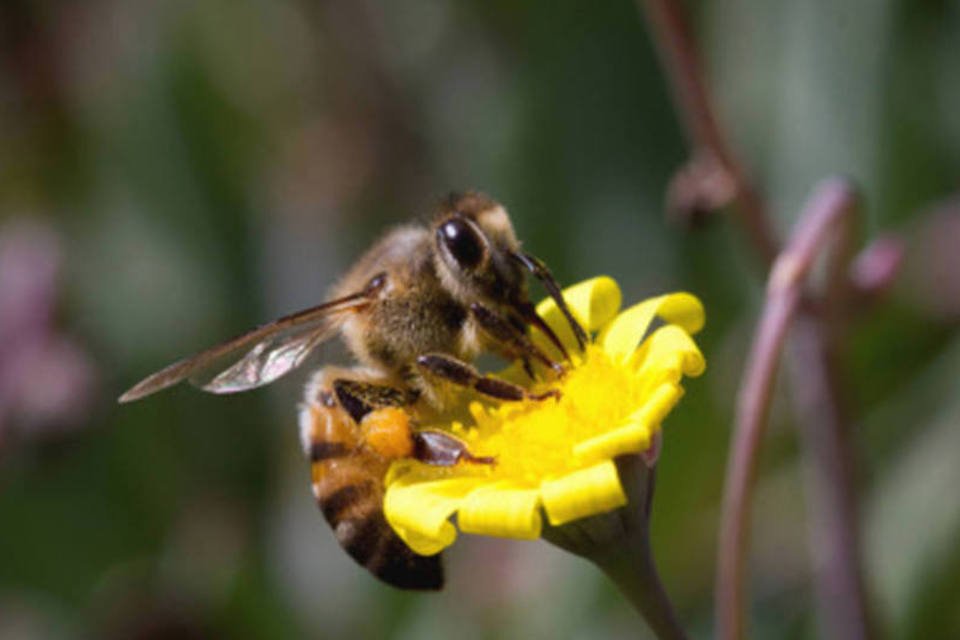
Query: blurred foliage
207,166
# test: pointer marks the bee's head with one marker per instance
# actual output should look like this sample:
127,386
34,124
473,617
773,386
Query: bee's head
479,259
476,246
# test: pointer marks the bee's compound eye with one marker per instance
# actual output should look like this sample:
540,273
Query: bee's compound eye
462,242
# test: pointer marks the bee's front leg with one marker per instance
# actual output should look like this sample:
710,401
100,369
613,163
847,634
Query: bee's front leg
510,338
460,373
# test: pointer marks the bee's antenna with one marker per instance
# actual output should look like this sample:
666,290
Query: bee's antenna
542,273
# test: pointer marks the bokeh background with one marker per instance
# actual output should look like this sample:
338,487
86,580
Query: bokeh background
173,173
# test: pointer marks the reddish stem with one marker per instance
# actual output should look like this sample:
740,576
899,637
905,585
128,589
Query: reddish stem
825,217
678,55
753,404
828,211
833,522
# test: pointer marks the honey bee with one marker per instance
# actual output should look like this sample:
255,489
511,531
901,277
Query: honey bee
415,310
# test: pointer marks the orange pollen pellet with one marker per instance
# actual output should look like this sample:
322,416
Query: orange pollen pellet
387,432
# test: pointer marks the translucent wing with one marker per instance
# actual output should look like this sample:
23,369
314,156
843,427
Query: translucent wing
258,357
269,359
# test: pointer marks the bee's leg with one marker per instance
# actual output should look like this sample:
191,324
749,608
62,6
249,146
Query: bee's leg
444,450
458,372
360,397
513,340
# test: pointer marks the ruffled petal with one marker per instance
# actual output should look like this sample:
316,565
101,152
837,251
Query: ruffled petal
634,435
593,303
420,511
501,510
582,493
668,354
621,337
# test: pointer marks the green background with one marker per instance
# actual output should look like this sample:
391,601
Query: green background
207,166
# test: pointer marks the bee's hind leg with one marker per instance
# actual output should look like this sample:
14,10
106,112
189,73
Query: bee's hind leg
363,400
360,397
337,401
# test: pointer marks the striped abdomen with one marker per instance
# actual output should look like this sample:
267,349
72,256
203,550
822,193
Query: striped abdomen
348,484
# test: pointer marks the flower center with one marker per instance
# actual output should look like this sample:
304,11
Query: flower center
534,440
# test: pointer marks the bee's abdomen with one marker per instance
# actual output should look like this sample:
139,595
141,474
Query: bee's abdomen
348,485
355,513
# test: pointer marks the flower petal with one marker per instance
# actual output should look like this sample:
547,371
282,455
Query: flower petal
420,511
582,493
501,510
621,337
593,303
634,435
668,354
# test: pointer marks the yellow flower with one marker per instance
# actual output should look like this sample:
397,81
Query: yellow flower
556,455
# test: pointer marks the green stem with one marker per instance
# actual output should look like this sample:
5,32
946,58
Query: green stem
632,569
618,542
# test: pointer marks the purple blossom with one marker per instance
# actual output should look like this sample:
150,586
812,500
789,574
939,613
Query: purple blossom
46,378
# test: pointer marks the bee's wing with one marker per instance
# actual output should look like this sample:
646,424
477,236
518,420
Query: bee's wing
255,358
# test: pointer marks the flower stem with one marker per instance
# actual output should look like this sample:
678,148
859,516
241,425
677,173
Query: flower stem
678,55
632,569
827,212
753,404
830,490
840,588
618,542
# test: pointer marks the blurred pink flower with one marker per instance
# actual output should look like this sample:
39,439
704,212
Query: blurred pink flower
46,379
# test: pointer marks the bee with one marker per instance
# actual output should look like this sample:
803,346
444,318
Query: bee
414,311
